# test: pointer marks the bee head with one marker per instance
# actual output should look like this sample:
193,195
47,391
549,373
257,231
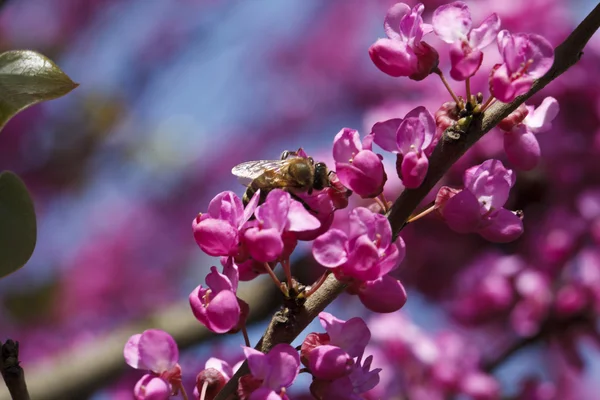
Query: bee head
321,176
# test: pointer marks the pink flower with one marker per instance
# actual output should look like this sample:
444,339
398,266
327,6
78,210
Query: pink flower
452,23
520,144
217,307
527,57
334,358
362,256
331,356
479,206
412,138
272,235
360,380
272,372
156,351
214,376
403,53
217,232
365,252
357,167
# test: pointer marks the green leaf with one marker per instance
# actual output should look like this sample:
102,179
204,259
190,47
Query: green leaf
27,78
17,224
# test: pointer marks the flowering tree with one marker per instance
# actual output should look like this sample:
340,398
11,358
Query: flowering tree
360,253
354,234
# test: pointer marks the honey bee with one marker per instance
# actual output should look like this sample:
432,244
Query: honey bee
293,173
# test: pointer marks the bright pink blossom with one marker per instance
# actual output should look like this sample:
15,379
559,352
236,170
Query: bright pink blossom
217,231
403,53
156,351
527,57
520,143
217,306
479,206
272,235
365,251
357,167
273,371
360,380
362,256
412,138
452,23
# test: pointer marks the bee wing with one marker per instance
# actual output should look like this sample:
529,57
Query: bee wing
247,171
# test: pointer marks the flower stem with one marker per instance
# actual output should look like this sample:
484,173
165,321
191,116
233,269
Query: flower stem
445,82
275,279
384,203
285,264
488,103
468,89
422,213
183,393
204,389
317,284
246,338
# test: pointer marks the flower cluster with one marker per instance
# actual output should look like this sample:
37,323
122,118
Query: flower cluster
358,247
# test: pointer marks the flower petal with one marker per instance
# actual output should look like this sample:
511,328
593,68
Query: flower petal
394,57
223,312
522,148
451,22
132,352
215,237
346,145
284,363
422,114
158,350
486,32
383,295
413,169
540,119
300,219
329,249
505,227
264,245
385,134
461,212
394,15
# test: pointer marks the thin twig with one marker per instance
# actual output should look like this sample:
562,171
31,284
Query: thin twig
285,328
12,372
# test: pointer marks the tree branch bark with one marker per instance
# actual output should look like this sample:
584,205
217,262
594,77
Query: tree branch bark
285,328
12,372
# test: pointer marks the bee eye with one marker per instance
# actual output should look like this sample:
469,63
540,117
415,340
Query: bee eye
311,161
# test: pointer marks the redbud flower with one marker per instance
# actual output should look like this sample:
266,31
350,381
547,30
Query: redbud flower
273,372
350,387
527,57
365,251
273,232
331,356
452,23
520,144
214,376
217,307
412,138
156,351
403,53
356,166
217,232
479,206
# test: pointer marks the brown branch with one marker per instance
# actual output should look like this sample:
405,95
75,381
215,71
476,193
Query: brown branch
11,370
285,328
